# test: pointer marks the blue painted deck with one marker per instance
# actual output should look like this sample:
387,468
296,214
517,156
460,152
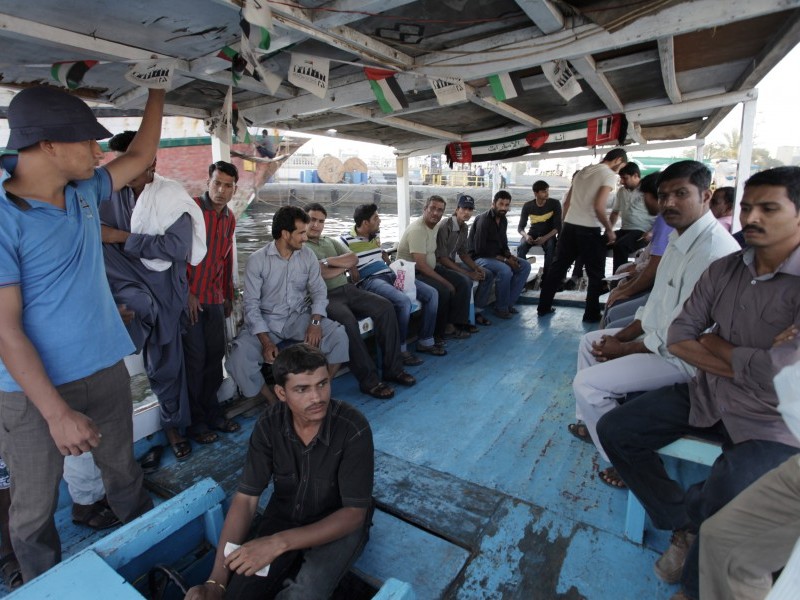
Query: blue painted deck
481,491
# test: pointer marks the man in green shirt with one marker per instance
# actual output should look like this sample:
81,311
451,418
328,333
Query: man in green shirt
347,304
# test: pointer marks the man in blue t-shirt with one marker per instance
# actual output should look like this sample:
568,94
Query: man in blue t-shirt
64,388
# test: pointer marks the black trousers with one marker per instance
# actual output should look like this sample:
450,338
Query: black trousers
203,351
574,242
453,306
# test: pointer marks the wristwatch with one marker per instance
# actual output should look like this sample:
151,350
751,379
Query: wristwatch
316,322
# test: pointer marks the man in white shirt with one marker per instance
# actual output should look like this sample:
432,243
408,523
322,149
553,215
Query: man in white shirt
581,235
636,219
614,362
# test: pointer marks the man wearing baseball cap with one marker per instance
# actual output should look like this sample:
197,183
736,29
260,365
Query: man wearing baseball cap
64,389
451,240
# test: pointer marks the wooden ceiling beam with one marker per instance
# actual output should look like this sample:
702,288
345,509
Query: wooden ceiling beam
544,13
666,54
585,65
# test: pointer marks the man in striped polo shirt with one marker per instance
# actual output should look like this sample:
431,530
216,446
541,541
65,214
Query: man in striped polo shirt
374,275
210,303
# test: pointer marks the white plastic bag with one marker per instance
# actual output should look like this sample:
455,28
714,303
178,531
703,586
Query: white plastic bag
405,280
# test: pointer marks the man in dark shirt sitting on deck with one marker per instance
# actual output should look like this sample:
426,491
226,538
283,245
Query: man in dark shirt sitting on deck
489,244
544,215
738,313
318,452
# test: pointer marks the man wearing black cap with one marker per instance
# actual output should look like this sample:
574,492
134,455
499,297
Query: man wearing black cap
64,385
451,239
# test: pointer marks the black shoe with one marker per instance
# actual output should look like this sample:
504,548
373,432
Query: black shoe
546,312
592,318
98,516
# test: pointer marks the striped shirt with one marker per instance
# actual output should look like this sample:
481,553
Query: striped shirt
212,280
369,252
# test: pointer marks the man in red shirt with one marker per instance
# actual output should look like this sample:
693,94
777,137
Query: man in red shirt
210,303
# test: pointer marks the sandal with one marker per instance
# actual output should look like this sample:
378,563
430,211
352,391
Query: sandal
203,437
151,460
11,571
611,478
432,349
181,450
469,328
402,378
409,360
580,431
226,426
456,334
481,320
380,391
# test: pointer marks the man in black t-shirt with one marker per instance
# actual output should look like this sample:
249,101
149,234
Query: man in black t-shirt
543,214
318,453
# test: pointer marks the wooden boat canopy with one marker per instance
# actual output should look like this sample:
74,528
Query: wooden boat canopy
674,67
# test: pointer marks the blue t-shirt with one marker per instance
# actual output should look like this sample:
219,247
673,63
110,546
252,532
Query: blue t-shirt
55,256
660,239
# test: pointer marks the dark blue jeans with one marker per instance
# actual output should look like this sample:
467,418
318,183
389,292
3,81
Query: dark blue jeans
549,249
574,242
631,434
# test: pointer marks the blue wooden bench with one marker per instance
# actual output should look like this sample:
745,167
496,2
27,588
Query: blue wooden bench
171,530
694,450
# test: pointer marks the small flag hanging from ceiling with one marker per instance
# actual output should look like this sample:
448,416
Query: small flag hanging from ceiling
505,86
70,74
257,36
449,90
258,13
227,53
260,72
309,73
386,89
239,124
155,74
562,78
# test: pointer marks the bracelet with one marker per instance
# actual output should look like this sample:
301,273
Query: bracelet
224,589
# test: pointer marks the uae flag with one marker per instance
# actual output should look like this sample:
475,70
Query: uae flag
610,129
227,53
505,86
386,89
70,74
239,124
257,36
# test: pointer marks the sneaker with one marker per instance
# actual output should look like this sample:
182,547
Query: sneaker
670,566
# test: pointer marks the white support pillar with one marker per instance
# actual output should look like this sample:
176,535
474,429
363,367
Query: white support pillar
403,196
745,157
220,149
495,178
699,149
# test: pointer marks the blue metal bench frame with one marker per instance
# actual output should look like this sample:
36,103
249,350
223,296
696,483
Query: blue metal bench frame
692,449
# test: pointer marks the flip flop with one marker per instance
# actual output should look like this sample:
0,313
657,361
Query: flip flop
402,378
11,571
380,391
226,426
204,437
611,478
481,320
580,431
152,459
182,450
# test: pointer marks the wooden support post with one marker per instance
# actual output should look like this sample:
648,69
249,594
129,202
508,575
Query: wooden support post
745,157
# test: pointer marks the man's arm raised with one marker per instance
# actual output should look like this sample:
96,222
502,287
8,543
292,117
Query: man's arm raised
72,432
142,150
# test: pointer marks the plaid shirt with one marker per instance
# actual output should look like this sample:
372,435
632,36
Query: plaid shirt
212,280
